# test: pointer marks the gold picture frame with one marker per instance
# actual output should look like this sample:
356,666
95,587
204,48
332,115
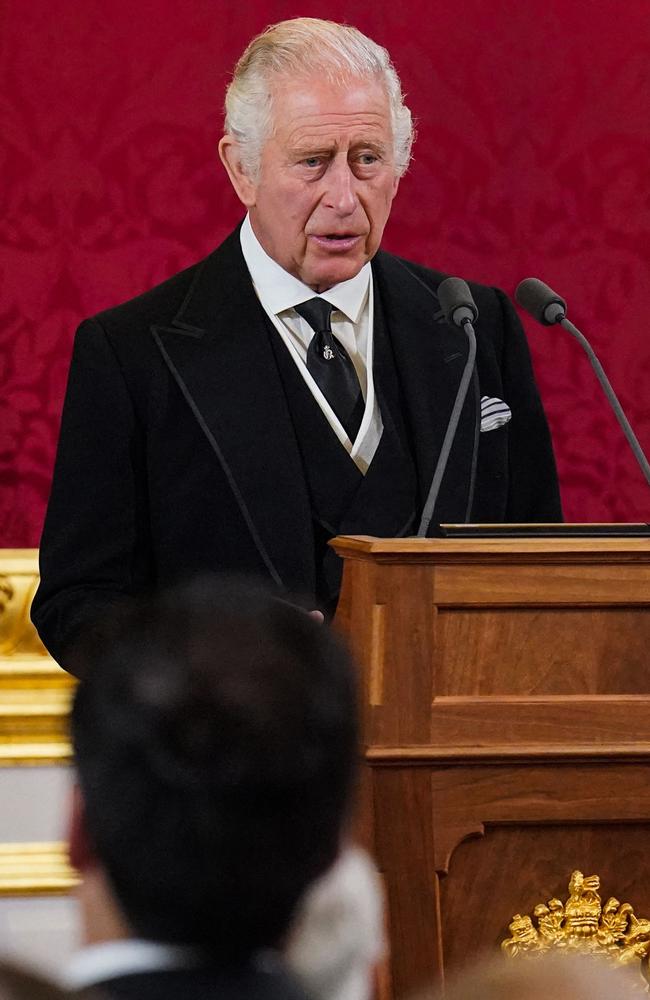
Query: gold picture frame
36,869
35,693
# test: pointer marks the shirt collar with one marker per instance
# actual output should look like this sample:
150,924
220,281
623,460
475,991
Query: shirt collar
278,290
98,963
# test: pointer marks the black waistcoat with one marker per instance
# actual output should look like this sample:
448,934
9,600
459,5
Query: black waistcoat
343,500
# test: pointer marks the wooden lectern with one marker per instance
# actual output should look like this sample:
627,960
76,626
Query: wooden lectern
506,725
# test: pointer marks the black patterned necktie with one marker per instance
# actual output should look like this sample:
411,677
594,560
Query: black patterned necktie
331,367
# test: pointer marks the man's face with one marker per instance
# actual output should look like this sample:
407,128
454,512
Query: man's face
327,179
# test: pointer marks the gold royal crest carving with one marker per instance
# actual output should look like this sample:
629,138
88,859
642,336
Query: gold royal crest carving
582,924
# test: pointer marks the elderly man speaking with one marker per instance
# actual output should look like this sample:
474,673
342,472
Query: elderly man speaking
297,383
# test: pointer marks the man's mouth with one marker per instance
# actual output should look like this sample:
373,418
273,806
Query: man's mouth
336,241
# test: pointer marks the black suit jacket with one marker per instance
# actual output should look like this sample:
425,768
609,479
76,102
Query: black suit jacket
201,984
177,452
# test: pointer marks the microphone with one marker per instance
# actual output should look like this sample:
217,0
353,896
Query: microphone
540,301
549,308
460,310
456,302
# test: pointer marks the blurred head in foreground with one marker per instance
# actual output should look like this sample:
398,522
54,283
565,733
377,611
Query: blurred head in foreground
559,977
215,739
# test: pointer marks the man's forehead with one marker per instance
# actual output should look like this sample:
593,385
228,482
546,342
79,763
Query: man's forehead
313,95
315,108
334,132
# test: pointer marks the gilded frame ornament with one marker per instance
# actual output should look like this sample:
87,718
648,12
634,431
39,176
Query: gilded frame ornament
36,869
583,924
35,693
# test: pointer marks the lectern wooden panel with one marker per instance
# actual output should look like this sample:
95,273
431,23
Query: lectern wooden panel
506,721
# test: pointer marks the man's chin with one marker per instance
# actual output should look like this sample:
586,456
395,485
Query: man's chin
329,273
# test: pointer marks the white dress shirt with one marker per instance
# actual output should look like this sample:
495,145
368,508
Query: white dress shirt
96,963
352,324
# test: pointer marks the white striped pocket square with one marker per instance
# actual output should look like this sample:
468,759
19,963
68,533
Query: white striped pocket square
494,413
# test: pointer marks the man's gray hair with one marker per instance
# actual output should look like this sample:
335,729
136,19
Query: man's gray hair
303,47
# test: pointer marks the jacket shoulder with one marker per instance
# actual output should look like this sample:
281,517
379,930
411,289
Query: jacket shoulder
161,305
490,301
157,305
395,267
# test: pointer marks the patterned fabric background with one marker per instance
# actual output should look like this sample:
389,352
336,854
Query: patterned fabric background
532,158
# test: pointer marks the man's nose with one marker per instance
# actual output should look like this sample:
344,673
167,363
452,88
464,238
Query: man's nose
340,193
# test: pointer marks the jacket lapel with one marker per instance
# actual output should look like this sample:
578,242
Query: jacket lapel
429,356
217,350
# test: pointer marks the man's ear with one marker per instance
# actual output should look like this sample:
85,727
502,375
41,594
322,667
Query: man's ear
80,849
230,154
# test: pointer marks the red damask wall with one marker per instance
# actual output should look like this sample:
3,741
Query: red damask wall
532,158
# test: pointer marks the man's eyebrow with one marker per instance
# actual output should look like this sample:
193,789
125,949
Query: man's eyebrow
306,149
372,144
312,149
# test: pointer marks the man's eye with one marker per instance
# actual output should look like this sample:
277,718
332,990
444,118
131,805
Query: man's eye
367,159
312,161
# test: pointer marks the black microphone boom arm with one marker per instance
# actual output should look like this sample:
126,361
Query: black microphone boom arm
547,307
